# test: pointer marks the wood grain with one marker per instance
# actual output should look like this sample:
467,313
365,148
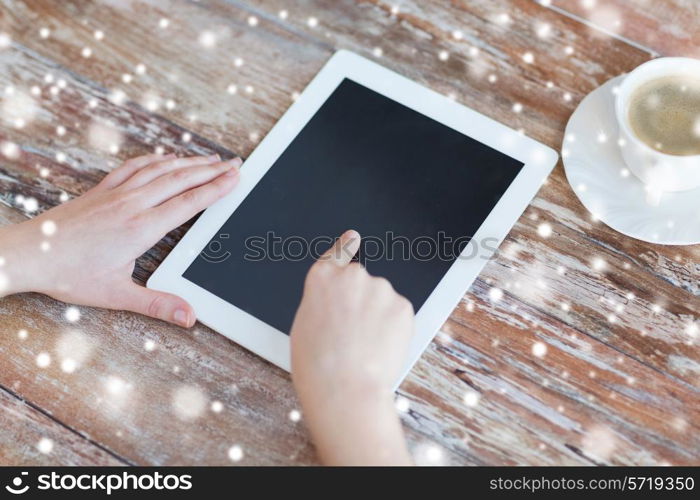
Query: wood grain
669,28
30,438
24,426
273,63
600,380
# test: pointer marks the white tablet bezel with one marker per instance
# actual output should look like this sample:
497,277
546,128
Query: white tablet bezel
267,341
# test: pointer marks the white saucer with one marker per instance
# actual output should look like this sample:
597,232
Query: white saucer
598,175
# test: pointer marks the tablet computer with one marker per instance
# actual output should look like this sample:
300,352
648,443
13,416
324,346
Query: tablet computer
432,186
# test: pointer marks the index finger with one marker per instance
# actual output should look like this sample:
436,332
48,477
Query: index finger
343,250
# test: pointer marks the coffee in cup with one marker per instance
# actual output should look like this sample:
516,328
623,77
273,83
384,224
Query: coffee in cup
664,113
657,106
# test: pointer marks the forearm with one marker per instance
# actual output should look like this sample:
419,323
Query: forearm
358,431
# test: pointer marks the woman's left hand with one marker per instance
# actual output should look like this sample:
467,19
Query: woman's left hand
84,251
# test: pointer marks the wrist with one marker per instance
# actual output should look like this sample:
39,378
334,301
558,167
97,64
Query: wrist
20,257
354,425
335,393
369,433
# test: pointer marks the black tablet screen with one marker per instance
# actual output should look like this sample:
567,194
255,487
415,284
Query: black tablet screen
415,189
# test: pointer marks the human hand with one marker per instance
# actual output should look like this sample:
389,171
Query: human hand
84,251
349,343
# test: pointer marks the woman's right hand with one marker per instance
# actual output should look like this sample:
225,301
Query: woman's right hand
350,342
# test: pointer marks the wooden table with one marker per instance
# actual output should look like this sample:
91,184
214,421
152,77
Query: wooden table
618,383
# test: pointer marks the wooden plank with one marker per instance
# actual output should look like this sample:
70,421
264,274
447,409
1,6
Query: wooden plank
433,389
202,51
9,215
29,438
76,158
152,407
639,313
457,47
505,404
669,28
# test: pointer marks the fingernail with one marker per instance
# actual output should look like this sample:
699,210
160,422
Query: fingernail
236,162
213,158
180,317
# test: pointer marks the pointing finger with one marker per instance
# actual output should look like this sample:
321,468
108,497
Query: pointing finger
343,250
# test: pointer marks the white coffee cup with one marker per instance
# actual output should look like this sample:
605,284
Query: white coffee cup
660,172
